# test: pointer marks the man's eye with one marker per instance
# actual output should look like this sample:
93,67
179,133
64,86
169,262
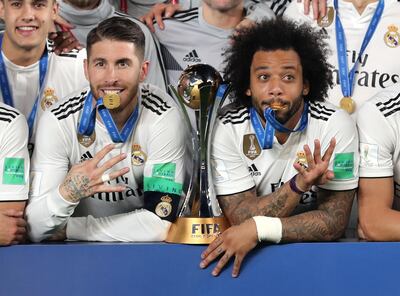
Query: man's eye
263,77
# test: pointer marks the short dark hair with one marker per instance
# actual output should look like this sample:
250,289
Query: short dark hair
118,29
279,34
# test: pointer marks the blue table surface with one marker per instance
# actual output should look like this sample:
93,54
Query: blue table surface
345,268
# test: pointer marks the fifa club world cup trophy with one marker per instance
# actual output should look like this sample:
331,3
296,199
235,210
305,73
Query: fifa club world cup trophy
200,94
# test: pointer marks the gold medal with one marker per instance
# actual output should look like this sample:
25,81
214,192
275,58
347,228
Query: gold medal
86,140
348,104
111,101
327,20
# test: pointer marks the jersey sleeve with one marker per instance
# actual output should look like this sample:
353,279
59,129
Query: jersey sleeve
377,143
230,172
137,226
14,160
47,210
345,159
164,171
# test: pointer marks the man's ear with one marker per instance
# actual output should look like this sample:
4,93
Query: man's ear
2,13
248,92
144,70
86,68
306,88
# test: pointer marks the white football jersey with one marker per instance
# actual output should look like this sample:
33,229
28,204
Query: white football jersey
378,67
240,163
14,158
155,150
379,125
65,74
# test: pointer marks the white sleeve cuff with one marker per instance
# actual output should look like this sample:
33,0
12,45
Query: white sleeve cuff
58,206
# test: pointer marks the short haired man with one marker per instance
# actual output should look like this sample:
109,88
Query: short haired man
378,196
265,168
364,35
86,15
118,177
199,35
33,77
14,175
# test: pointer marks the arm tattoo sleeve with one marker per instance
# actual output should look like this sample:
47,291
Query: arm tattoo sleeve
77,187
241,206
327,223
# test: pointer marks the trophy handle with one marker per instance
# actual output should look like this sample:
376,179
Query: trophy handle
222,93
191,191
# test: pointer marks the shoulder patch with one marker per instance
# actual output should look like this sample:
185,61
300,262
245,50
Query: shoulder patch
235,115
389,106
70,106
8,114
319,111
153,102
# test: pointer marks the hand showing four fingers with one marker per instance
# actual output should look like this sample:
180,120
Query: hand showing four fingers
86,178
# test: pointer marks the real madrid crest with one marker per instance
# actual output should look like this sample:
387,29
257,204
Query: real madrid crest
87,140
301,159
164,207
48,99
251,147
138,156
392,36
327,20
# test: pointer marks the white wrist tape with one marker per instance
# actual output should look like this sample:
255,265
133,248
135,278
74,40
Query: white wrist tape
268,229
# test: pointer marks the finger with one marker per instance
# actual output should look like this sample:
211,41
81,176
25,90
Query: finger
20,231
221,263
108,188
306,4
171,9
212,256
317,151
330,175
309,157
328,153
111,162
13,213
112,175
236,266
212,246
322,8
315,7
159,21
298,167
21,222
103,152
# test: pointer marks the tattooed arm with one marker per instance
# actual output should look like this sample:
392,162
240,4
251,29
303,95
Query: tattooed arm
327,223
241,206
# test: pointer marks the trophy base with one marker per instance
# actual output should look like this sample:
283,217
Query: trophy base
196,230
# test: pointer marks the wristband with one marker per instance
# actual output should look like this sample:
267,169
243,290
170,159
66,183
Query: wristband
268,229
293,186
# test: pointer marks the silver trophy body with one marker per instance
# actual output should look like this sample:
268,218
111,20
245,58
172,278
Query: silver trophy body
201,89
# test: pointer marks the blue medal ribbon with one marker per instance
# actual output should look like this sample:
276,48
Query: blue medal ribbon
6,91
346,77
88,120
266,136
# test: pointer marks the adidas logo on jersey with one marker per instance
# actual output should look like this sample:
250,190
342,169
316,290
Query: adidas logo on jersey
85,156
254,171
192,57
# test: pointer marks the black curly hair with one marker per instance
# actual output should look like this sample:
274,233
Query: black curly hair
279,34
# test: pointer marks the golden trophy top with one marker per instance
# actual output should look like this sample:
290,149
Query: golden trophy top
192,79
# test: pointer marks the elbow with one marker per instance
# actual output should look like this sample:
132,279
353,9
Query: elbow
370,230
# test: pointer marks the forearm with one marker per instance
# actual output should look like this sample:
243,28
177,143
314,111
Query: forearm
137,226
327,223
46,214
280,203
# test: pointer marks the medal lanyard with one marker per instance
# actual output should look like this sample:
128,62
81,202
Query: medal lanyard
266,136
5,86
346,78
88,120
